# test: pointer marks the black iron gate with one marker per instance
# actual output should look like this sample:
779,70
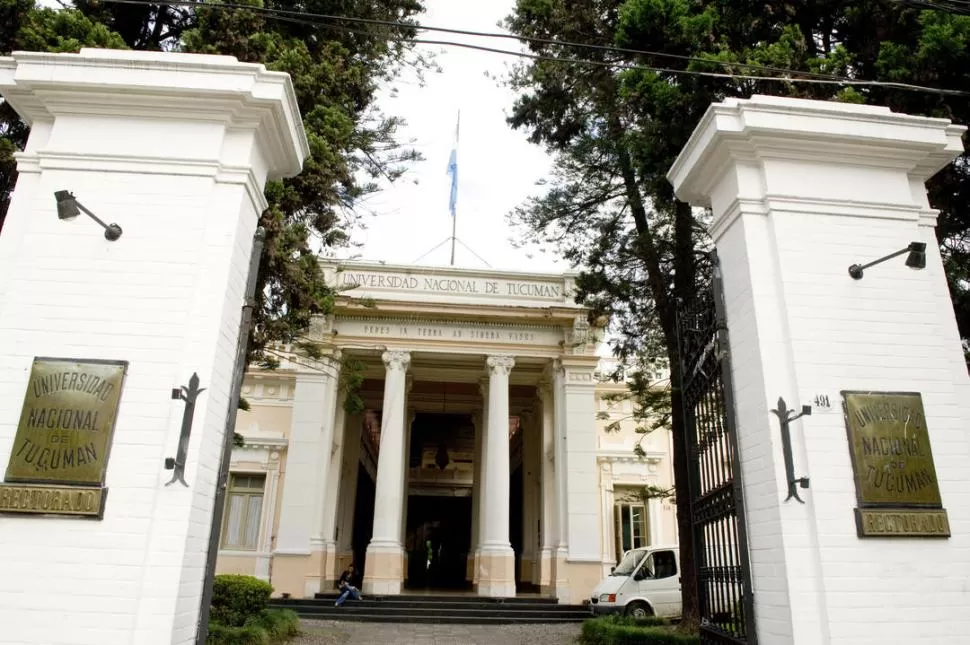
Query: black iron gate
716,500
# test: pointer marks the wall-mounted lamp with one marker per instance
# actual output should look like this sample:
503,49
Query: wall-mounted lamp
69,208
915,260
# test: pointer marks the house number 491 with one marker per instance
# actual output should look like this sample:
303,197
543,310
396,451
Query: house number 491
822,402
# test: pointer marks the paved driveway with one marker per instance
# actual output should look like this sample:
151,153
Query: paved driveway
325,632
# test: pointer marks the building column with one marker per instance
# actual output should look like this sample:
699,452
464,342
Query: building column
582,499
548,530
296,559
384,572
530,539
497,560
406,475
653,516
560,579
606,513
321,549
476,497
331,570
344,533
480,481
270,493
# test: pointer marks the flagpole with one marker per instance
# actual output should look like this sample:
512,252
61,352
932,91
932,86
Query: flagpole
454,220
454,214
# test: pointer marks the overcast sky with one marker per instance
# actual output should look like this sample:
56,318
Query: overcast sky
497,167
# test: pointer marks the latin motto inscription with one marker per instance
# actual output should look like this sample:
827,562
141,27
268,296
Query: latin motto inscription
461,286
418,331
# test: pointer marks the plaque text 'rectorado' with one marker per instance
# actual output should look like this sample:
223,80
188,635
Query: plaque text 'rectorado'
902,523
67,422
52,500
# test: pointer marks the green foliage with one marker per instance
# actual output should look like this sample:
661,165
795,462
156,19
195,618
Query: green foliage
249,635
269,627
236,599
650,491
335,70
614,630
239,614
280,624
351,380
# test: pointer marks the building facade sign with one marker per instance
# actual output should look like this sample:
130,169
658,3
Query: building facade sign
895,477
454,284
60,453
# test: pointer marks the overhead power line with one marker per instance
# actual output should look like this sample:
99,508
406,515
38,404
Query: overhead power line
789,75
956,7
314,17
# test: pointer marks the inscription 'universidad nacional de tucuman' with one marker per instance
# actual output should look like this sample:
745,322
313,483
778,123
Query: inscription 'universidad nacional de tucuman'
470,285
895,477
67,422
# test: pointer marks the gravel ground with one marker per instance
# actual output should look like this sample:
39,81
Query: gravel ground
328,632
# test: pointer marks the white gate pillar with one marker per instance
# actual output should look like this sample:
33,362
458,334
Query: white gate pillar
176,149
800,190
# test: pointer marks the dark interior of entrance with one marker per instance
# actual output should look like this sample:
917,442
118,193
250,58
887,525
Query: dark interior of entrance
438,541
439,508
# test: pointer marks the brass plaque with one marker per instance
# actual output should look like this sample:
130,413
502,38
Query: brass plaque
902,523
67,422
890,449
52,500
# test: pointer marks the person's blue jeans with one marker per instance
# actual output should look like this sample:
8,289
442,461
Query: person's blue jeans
350,591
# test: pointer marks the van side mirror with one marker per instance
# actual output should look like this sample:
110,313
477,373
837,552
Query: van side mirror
612,569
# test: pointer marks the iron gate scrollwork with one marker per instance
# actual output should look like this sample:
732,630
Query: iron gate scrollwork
725,599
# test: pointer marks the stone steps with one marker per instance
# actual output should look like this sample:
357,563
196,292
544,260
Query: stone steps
454,609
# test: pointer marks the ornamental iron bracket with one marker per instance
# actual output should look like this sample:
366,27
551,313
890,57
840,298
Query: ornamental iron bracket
189,395
785,417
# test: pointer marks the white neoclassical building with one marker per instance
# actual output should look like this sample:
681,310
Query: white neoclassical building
475,454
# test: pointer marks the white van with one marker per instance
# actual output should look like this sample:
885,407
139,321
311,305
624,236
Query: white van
645,583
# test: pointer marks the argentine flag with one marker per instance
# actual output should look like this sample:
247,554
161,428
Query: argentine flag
453,170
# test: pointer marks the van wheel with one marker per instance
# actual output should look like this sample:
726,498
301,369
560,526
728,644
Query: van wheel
638,609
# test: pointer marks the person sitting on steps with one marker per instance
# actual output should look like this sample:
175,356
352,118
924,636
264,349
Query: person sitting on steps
346,586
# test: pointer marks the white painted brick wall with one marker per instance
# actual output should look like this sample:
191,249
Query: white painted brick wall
166,297
799,326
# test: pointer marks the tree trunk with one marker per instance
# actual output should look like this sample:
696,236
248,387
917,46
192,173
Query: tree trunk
685,528
685,274
685,287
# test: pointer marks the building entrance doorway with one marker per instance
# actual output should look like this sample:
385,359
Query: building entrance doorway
438,541
439,507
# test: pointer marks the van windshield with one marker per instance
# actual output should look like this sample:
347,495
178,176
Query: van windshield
629,563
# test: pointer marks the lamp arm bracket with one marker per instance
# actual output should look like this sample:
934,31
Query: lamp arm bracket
883,259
